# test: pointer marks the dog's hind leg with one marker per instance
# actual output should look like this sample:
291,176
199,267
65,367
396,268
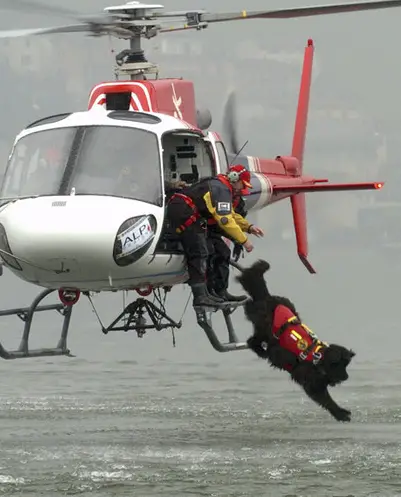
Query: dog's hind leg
253,282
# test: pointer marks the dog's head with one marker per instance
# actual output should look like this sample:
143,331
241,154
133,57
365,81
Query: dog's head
335,361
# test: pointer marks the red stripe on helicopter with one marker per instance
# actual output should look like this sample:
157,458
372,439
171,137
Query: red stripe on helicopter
261,192
141,98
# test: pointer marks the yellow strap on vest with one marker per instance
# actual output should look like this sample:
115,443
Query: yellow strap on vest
319,344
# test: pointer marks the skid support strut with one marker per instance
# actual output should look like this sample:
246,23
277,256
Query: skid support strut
26,315
204,318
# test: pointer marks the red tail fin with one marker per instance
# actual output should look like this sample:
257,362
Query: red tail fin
298,146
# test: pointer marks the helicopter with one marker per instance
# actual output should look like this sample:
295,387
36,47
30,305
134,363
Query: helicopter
74,220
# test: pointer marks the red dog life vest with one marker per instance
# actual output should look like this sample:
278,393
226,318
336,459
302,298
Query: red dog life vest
295,336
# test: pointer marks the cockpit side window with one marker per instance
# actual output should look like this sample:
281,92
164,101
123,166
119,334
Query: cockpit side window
186,157
37,163
119,161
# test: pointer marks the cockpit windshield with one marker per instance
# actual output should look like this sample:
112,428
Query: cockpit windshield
94,160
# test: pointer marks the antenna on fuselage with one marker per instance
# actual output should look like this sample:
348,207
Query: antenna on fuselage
237,154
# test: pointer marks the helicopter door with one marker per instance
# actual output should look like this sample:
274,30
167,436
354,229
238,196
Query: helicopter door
187,157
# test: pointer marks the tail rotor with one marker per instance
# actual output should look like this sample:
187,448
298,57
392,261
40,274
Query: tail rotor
230,124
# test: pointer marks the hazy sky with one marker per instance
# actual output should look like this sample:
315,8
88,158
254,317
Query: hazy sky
354,70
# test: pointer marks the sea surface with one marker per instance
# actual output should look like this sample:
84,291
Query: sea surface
133,416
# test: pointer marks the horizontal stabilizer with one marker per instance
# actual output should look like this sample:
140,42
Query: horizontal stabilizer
326,187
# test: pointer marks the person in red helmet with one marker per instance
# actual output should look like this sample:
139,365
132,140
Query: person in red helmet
219,251
189,211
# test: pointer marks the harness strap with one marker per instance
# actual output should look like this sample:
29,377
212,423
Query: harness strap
292,321
192,219
316,343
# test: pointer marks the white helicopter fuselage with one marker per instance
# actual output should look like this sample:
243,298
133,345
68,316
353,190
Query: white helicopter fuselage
69,240
82,204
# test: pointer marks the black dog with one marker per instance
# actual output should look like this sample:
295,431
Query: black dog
281,338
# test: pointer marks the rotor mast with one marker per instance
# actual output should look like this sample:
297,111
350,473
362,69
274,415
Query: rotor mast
140,20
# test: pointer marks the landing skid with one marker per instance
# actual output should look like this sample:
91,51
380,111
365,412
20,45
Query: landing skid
140,315
26,315
132,318
204,319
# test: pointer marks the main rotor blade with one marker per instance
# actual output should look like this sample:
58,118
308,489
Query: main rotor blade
194,19
38,8
317,10
72,28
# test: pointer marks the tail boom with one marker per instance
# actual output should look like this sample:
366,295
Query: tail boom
328,187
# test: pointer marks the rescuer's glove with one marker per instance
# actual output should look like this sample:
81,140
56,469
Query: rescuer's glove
237,251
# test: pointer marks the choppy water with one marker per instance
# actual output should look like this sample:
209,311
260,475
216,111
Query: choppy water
133,416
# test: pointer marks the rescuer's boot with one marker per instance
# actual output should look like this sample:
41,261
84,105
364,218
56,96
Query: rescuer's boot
210,290
215,297
202,297
231,298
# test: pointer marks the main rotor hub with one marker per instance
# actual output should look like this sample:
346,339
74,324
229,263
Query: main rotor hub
140,20
136,10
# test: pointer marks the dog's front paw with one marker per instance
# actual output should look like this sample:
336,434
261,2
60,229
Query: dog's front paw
342,415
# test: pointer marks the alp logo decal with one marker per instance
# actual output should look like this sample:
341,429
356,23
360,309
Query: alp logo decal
177,103
135,237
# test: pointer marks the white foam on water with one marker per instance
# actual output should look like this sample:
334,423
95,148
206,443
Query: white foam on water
11,480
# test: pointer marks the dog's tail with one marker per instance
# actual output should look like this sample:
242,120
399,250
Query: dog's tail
260,266
252,280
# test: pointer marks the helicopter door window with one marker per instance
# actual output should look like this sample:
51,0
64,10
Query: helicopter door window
119,161
186,157
37,162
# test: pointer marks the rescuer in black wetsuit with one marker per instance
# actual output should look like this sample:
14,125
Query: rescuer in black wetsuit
218,270
188,212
